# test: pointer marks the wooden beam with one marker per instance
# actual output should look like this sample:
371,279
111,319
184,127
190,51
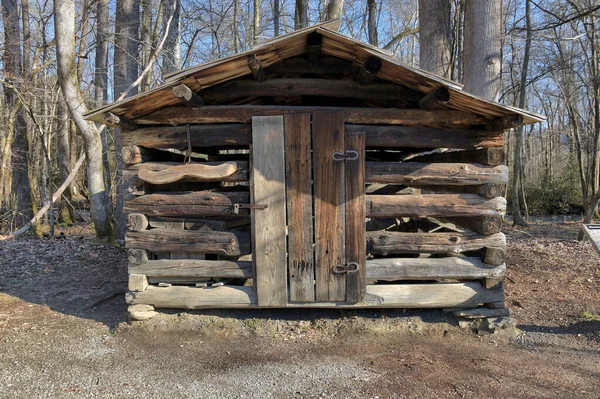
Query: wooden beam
441,295
187,96
389,243
190,223
193,269
258,73
451,268
486,156
269,225
436,99
488,191
485,224
118,121
162,173
433,205
179,115
449,174
188,204
200,136
355,218
314,41
210,242
386,136
301,265
296,87
505,123
368,71
377,136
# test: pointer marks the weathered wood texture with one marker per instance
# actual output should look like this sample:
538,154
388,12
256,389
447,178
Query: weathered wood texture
441,295
328,137
210,242
433,205
388,136
137,222
195,224
388,243
296,87
355,230
301,266
194,268
165,173
416,173
200,136
493,156
379,136
188,204
369,116
187,96
431,269
488,191
269,225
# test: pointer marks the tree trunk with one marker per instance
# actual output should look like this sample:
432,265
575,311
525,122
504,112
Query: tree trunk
483,48
372,22
13,72
256,22
171,60
65,213
334,9
435,37
276,16
518,187
146,36
301,14
125,73
64,28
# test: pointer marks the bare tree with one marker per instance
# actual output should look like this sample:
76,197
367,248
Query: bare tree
300,14
13,72
64,29
334,9
435,37
372,23
171,54
483,48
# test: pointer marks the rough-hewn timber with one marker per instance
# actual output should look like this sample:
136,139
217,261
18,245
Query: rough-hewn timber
431,269
188,204
445,174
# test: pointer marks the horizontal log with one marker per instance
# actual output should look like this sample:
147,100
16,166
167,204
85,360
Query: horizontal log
188,204
137,222
133,154
194,269
433,205
448,174
208,242
431,269
436,99
163,173
187,96
296,87
440,295
444,136
200,136
389,243
179,115
506,122
368,71
485,156
236,134
485,190
118,121
485,225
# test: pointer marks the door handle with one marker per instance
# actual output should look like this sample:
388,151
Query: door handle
349,155
350,267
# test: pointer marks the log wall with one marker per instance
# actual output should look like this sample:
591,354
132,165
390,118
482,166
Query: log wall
434,211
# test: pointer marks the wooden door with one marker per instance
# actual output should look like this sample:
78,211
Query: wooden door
310,174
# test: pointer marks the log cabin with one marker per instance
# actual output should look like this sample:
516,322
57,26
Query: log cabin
313,171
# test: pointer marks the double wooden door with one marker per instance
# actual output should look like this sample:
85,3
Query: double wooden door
309,242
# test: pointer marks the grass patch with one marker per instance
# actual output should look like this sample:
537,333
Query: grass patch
589,316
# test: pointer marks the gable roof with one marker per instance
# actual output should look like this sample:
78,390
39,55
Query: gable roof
294,44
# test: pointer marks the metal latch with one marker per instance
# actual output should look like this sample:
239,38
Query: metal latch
351,267
349,155
237,207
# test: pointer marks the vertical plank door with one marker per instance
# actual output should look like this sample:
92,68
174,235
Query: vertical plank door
301,267
356,240
269,225
328,137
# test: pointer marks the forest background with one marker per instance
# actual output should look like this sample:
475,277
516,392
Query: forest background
92,52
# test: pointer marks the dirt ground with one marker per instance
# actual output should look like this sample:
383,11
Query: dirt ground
63,333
